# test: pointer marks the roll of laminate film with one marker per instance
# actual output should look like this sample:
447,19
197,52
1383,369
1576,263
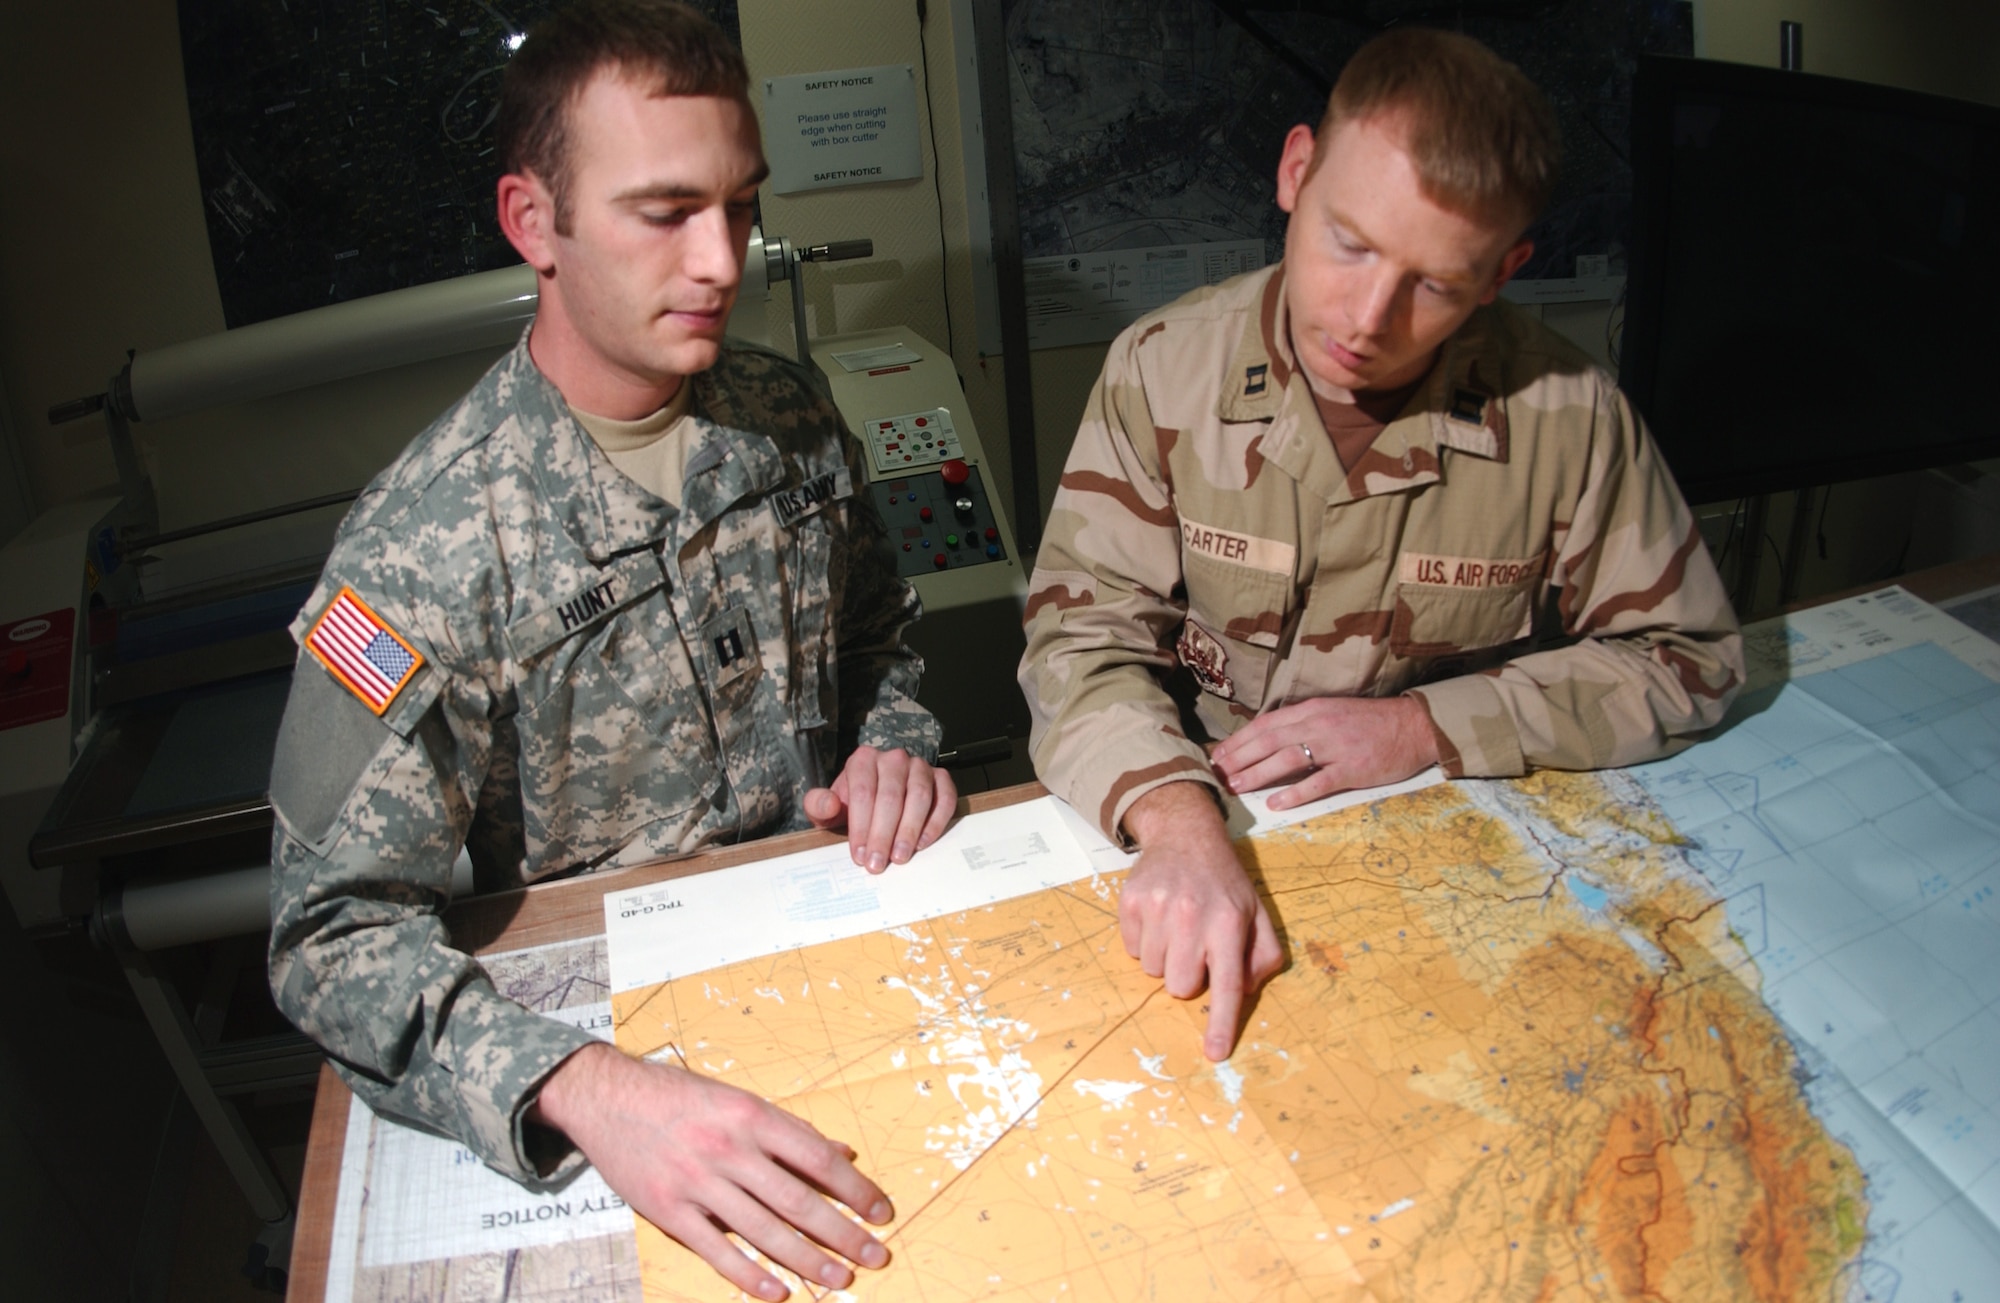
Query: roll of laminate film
488,309
484,310
756,270
198,909
159,915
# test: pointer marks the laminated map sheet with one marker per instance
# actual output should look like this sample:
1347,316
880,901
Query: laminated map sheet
1714,1027
1849,813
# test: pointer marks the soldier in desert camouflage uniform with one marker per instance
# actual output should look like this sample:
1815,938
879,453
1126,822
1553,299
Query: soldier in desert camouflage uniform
1352,516
518,647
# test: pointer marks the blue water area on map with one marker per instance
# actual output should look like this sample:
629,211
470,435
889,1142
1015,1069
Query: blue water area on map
1591,897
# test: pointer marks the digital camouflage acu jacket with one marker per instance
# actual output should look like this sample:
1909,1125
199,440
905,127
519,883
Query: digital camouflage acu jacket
516,648
1510,549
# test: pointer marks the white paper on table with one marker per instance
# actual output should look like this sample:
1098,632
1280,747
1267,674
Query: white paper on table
423,1198
1252,814
1856,629
1248,815
689,925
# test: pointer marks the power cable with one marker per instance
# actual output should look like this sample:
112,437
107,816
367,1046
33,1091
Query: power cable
937,183
1779,553
1614,328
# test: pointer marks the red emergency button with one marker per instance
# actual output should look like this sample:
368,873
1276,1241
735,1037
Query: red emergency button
923,420
923,513
955,472
991,533
940,560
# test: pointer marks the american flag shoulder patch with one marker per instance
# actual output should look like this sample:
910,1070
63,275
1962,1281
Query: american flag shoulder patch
363,652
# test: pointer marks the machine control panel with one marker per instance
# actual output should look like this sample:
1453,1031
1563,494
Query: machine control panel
907,443
939,519
930,482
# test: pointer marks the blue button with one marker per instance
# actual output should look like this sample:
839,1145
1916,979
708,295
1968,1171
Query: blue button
926,544
993,549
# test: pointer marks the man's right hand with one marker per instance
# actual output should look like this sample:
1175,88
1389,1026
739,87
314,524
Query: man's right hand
696,1157
1188,913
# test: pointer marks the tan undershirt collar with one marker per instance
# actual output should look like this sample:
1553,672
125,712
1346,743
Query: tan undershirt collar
652,450
1354,422
630,436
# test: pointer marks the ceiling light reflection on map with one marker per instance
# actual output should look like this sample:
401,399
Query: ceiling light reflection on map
513,40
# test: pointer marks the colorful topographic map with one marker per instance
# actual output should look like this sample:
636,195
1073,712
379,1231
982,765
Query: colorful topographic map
1517,1054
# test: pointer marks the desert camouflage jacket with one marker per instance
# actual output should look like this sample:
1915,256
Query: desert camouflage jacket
1510,549
516,648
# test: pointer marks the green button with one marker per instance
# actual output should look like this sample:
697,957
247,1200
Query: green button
951,540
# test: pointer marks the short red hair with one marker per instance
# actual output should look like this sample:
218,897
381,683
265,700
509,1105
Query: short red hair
1483,138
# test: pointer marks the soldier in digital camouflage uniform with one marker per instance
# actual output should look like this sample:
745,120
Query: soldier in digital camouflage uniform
520,648
1352,516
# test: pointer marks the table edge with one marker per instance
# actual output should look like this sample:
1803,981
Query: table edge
319,1189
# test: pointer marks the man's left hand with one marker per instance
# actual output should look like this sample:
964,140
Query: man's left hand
1328,744
893,804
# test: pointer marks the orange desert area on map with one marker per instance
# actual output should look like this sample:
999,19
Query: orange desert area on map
1517,1054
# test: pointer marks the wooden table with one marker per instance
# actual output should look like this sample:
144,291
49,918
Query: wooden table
516,920
573,909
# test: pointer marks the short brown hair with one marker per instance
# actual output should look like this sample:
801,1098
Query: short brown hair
672,46
1483,138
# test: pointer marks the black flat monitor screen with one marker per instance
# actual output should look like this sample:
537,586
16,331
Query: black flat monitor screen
1815,277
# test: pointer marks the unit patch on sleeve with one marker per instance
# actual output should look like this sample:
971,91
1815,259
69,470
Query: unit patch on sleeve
793,505
363,652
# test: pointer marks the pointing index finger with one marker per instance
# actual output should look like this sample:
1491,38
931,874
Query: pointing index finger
1225,997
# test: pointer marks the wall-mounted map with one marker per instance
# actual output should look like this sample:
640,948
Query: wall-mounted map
345,149
1158,122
